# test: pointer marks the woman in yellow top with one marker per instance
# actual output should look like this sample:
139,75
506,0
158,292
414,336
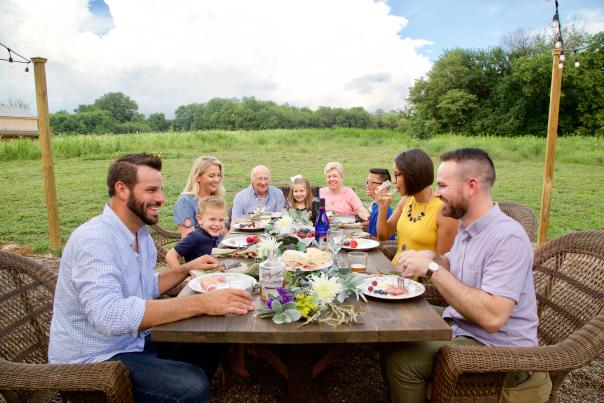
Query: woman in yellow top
417,220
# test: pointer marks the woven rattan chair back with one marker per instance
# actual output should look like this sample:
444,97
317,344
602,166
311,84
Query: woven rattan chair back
26,302
521,213
164,240
569,281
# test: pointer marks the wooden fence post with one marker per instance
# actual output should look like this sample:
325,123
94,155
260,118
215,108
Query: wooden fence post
54,234
550,149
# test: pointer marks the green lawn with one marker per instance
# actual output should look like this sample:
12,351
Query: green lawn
81,164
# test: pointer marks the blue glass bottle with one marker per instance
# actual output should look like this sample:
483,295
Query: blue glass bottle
322,225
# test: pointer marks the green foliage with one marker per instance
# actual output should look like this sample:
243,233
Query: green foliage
120,106
505,92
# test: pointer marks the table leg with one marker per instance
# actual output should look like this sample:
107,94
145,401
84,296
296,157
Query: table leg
299,379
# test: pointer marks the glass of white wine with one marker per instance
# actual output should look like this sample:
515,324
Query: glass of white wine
335,242
259,206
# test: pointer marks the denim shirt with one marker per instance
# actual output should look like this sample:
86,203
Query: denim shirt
245,201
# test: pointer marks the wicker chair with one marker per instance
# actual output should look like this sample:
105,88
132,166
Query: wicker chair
162,238
569,281
521,213
25,376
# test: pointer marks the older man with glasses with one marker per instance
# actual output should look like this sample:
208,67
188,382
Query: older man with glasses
259,193
375,178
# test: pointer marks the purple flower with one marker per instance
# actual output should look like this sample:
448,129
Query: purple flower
285,296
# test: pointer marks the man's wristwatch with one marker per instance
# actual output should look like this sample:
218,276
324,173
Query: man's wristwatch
432,268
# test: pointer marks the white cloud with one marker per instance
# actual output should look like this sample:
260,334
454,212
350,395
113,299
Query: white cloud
165,54
592,19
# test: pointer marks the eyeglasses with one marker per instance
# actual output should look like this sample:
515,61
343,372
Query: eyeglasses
369,182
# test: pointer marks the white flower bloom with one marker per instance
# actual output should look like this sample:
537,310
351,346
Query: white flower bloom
284,225
325,288
266,244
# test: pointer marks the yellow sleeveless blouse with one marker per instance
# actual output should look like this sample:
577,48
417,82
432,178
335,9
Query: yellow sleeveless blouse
421,234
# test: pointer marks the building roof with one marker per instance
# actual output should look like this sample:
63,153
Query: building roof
13,111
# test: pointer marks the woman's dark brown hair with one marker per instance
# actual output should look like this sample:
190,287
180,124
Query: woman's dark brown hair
417,169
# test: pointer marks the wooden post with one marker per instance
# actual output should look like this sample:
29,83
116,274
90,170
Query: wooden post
46,151
550,149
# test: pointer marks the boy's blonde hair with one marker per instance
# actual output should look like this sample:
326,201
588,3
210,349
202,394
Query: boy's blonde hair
210,201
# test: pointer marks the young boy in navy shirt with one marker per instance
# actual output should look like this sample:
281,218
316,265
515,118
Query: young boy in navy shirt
197,246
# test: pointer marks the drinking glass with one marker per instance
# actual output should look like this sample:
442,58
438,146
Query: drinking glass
358,261
336,241
386,189
259,205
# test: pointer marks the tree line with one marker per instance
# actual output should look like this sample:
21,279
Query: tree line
505,91
501,91
116,112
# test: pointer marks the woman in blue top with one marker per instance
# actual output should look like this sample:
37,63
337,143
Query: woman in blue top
205,179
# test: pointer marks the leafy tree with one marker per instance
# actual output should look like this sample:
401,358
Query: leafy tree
455,107
122,108
158,122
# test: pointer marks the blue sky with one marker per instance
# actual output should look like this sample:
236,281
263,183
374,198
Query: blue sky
482,24
338,53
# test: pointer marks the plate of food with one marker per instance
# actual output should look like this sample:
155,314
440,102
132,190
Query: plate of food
360,244
343,219
312,260
249,226
240,242
216,281
387,287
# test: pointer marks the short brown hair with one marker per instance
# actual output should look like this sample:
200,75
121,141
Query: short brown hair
210,201
125,169
382,172
483,164
417,169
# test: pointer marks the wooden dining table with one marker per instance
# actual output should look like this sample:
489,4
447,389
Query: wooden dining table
382,321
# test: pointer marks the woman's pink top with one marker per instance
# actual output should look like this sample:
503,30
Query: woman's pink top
344,202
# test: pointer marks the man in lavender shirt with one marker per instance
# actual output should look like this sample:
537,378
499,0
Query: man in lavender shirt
486,278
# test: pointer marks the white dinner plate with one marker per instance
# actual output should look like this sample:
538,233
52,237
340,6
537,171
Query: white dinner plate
344,219
246,226
414,289
231,280
236,242
363,244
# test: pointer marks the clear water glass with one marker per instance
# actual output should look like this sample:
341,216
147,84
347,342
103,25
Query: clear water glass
336,241
259,205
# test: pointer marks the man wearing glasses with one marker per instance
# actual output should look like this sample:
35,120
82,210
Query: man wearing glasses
375,178
258,193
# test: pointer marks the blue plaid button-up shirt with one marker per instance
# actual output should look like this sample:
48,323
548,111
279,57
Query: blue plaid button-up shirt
101,291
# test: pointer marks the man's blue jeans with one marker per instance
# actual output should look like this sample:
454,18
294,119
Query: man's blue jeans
169,372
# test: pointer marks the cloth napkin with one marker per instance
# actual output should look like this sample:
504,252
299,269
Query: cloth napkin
360,234
249,253
350,225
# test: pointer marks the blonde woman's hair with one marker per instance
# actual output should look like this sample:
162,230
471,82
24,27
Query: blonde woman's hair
290,196
210,201
200,165
334,165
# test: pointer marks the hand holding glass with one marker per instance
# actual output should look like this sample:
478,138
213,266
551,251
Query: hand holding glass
385,190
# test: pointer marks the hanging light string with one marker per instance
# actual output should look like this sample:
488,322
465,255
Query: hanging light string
17,59
577,50
559,42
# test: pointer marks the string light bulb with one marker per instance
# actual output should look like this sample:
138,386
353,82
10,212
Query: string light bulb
556,23
558,44
27,69
562,57
560,65
577,64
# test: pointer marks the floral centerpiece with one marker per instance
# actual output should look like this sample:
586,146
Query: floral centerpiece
294,230
316,297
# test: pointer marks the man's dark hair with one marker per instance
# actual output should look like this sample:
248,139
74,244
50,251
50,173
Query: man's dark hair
125,169
383,173
482,166
417,169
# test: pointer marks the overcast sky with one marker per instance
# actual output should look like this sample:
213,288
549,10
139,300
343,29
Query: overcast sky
343,53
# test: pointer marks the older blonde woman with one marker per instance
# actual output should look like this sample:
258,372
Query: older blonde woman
338,198
205,179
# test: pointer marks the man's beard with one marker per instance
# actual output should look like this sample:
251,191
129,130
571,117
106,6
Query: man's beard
140,209
454,210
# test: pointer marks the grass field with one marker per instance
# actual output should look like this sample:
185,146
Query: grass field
81,164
